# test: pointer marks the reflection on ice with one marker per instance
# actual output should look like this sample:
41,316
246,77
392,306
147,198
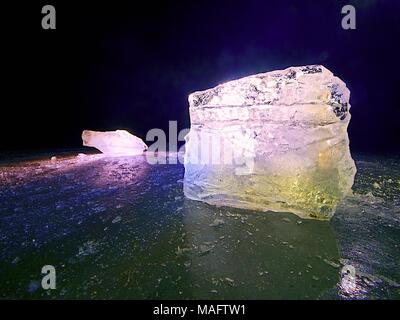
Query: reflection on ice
251,255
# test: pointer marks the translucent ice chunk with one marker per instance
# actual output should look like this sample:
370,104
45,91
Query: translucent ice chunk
272,141
117,143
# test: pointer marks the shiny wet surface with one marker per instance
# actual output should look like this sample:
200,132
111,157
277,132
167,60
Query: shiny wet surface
122,228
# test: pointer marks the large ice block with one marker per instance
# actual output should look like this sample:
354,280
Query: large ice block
115,143
272,141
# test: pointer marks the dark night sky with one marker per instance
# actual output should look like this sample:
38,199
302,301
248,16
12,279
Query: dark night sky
121,65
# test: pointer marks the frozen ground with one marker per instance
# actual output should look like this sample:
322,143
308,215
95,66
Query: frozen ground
121,228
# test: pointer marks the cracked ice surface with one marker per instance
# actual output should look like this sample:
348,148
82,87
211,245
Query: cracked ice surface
118,228
288,129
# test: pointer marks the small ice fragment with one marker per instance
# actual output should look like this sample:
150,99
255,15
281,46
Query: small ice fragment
229,280
16,260
205,248
217,222
88,248
180,250
331,263
116,219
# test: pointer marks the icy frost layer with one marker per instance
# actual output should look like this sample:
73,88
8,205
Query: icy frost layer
119,142
288,129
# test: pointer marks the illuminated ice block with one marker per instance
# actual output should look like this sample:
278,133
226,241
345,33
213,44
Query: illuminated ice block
115,143
274,141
